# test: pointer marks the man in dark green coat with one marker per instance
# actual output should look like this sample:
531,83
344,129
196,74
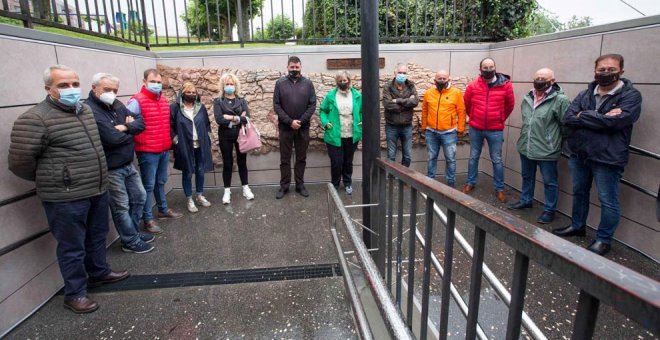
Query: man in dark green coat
540,141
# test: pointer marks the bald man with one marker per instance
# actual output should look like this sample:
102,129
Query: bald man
443,118
540,141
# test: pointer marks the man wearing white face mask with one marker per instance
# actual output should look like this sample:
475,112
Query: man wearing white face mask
56,144
153,146
117,126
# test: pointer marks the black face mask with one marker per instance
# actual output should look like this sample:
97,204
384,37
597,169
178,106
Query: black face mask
606,78
294,74
440,85
343,86
190,98
488,75
541,85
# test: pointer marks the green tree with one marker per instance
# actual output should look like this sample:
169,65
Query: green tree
220,24
544,22
578,22
280,28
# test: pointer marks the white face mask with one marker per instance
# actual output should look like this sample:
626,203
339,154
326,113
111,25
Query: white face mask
108,97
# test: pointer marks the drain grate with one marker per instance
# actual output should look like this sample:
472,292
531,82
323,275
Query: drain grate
176,280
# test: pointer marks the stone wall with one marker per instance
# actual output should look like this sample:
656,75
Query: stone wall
257,86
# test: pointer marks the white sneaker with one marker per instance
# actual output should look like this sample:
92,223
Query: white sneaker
191,206
226,198
247,193
203,201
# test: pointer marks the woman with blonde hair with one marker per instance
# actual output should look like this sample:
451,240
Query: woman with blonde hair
341,117
231,112
191,134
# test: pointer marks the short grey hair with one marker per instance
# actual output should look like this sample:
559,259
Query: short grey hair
48,77
96,79
343,73
399,65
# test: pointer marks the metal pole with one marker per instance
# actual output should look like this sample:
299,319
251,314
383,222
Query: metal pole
25,10
239,22
370,105
145,27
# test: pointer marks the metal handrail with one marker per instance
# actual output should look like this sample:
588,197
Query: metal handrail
599,279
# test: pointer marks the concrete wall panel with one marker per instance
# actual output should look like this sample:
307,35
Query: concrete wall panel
182,62
640,49
140,64
12,185
21,68
466,63
89,62
22,219
576,65
503,60
24,263
645,131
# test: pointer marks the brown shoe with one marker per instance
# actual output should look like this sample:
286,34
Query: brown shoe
81,305
169,214
152,227
110,278
501,196
468,188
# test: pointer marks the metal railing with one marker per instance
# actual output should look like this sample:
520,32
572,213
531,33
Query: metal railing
598,279
151,23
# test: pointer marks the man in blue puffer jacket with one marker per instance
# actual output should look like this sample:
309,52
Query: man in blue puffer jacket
601,118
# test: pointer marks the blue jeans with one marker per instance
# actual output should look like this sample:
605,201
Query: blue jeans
81,229
186,178
127,197
550,182
434,140
495,140
394,133
153,169
607,182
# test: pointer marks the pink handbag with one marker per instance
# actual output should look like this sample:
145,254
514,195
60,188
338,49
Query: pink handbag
249,138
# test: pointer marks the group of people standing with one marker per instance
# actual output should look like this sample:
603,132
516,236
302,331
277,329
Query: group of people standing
81,154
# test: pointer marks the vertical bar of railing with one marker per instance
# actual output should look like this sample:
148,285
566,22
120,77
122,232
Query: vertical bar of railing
106,19
145,27
411,256
198,20
5,5
585,318
405,10
272,17
302,4
89,16
463,23
114,20
282,26
357,15
388,231
98,21
345,19
425,21
176,22
334,9
435,17
25,11
399,239
426,275
263,28
185,13
80,25
67,12
217,13
121,19
229,30
208,20
251,21
444,19
387,19
167,30
446,276
518,287
453,18
380,223
475,286
130,20
153,14
293,17
239,23
56,17
313,19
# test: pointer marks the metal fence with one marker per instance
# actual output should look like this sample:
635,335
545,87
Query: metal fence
598,279
152,23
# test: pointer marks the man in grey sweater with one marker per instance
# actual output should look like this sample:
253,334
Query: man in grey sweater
57,145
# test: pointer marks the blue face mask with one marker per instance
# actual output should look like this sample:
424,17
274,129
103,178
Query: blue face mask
229,89
401,78
155,87
70,96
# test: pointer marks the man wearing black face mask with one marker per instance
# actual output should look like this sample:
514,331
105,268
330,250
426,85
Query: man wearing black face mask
294,101
601,118
540,141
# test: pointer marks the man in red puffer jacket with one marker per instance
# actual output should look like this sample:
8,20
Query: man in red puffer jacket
488,102
152,147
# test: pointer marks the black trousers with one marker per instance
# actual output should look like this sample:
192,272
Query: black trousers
341,161
290,139
226,146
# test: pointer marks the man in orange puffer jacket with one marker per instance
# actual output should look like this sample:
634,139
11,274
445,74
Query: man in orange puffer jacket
443,118
489,101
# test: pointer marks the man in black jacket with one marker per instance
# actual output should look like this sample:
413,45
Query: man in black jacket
399,100
294,101
117,126
57,145
601,118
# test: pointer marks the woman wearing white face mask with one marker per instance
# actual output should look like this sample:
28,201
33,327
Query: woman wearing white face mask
231,112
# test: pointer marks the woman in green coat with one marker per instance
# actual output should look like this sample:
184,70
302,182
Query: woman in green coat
341,117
